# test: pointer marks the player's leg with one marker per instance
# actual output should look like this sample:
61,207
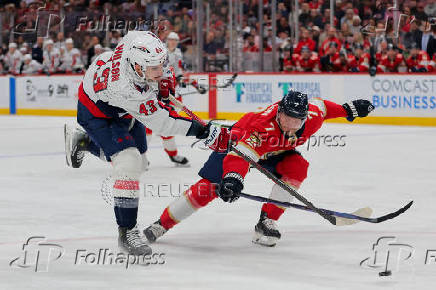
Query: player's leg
138,131
113,137
170,147
196,197
293,170
77,144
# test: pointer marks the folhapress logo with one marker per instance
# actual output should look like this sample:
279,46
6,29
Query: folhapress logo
37,254
388,254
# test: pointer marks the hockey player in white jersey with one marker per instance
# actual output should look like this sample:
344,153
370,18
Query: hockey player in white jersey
51,57
13,59
117,97
172,71
30,66
70,59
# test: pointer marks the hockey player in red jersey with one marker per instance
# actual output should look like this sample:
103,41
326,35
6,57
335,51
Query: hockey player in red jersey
270,138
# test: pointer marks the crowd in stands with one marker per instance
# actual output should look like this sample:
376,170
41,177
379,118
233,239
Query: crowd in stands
363,35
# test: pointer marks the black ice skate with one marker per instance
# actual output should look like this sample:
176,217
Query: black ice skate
131,242
266,232
76,144
154,231
180,161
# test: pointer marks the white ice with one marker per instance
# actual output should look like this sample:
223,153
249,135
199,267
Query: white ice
383,167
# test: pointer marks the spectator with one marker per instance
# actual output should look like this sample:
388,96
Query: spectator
250,45
94,41
331,38
308,61
13,59
30,66
361,61
289,59
392,61
71,60
51,57
348,18
418,61
37,52
304,16
305,41
330,60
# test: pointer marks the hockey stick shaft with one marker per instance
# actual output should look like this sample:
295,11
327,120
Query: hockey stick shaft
285,187
331,212
253,163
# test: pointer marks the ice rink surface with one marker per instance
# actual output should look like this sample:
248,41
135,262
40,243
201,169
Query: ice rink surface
383,167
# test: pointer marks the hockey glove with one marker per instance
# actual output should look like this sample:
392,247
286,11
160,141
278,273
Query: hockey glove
198,130
219,139
230,187
358,108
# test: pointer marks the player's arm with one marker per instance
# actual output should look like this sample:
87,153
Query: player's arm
235,167
357,108
158,117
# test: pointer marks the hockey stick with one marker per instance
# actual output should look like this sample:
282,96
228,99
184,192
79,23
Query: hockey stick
362,214
228,83
253,163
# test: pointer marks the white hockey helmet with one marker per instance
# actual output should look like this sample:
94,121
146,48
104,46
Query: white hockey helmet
173,35
146,50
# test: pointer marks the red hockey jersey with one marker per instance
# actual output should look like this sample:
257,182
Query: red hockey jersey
259,135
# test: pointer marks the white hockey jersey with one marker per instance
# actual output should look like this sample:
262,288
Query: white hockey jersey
175,60
31,68
13,61
51,60
71,60
107,79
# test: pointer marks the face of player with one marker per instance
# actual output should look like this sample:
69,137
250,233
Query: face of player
154,73
69,46
172,44
289,125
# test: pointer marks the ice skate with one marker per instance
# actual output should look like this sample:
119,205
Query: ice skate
180,161
76,142
266,232
154,231
132,242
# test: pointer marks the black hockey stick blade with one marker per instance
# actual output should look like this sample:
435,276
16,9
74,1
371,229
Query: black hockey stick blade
228,82
391,215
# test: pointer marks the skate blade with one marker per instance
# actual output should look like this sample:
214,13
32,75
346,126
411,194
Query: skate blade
182,165
67,137
265,241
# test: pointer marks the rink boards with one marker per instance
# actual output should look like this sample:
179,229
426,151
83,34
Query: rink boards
400,99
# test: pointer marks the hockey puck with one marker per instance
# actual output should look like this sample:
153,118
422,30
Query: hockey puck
385,273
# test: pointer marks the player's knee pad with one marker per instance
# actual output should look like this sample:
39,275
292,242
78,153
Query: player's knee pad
127,166
280,194
128,161
293,169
